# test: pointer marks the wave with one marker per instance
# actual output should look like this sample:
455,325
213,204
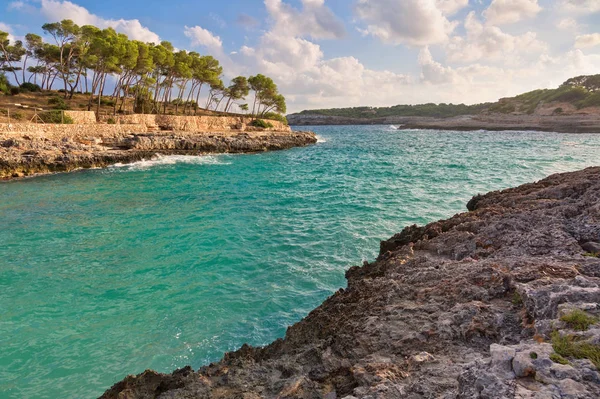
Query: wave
161,160
321,139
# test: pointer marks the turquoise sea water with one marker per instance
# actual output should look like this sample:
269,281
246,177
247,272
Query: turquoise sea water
172,262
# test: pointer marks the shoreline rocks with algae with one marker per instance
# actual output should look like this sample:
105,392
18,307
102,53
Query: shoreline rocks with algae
477,306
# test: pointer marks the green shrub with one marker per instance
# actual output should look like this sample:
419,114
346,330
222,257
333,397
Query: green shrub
558,111
107,102
56,116
111,121
516,299
592,255
568,346
261,123
4,84
556,358
58,103
17,116
276,117
593,100
579,320
15,91
30,87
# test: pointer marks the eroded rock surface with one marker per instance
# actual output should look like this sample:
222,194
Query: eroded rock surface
461,308
30,154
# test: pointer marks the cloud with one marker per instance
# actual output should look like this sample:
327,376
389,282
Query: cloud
580,6
7,28
247,21
585,41
16,5
204,38
410,22
56,10
568,24
510,11
315,20
491,43
451,7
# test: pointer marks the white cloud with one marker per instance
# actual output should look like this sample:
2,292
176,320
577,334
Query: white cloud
590,40
451,7
491,43
314,20
56,10
411,22
6,28
16,5
580,6
202,37
568,24
510,11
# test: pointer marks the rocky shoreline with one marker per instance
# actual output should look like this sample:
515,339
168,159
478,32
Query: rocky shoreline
573,123
27,154
498,302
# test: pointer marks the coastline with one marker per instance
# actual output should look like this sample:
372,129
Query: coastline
470,307
576,123
31,153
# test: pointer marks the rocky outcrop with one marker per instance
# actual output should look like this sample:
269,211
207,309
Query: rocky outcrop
476,306
75,147
574,123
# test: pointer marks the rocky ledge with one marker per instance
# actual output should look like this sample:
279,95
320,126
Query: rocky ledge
498,302
30,154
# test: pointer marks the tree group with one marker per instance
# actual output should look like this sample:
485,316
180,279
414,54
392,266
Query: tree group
90,60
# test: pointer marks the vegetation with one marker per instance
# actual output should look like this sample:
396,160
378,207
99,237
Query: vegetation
433,110
569,346
579,320
261,123
55,116
556,358
581,92
81,59
58,103
592,255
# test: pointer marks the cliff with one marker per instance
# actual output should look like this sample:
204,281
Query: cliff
498,302
29,149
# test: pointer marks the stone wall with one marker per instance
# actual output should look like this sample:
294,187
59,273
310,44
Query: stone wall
82,117
52,131
195,123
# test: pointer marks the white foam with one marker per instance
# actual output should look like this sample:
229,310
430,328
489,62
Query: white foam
321,139
160,160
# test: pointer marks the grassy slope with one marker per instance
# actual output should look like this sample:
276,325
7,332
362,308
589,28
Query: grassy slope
580,92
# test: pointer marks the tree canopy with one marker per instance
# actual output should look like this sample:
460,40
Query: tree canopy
88,59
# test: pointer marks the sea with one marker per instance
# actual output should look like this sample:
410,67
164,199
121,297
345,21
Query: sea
175,260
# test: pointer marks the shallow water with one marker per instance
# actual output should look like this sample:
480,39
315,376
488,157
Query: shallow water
174,261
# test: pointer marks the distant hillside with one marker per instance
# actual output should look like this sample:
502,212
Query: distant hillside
571,97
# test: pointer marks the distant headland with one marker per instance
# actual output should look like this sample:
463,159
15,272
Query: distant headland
574,107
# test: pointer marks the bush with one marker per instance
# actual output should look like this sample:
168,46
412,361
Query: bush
58,103
569,346
17,116
558,111
107,102
276,117
261,123
31,87
56,116
15,91
4,84
579,320
111,121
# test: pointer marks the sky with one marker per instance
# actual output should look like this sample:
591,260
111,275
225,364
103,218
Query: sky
346,53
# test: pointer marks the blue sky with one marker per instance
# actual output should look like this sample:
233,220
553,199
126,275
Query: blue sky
336,53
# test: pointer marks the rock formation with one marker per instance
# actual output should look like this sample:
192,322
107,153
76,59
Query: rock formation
499,302
74,148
